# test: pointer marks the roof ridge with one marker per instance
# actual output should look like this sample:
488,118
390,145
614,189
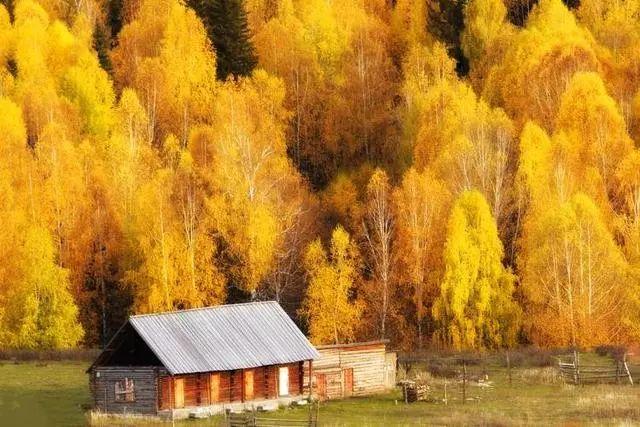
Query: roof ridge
211,307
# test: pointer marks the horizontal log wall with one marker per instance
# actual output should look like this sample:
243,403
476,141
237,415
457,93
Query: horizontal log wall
367,362
103,383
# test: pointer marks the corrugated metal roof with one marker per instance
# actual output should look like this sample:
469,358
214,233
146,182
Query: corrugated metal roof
222,338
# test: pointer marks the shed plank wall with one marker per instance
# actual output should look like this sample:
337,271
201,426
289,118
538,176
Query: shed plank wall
367,362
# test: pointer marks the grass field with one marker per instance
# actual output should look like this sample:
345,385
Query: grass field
54,395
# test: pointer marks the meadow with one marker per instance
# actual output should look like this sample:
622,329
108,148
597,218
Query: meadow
57,393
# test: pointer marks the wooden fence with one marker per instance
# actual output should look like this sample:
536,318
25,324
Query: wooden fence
465,377
254,419
572,371
456,374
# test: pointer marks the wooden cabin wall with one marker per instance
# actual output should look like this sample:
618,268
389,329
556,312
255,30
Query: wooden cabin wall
103,382
259,389
271,379
295,382
367,361
198,391
236,386
223,392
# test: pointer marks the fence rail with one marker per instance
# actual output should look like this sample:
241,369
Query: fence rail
467,377
253,419
575,372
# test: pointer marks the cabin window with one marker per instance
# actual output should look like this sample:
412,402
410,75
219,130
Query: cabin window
125,390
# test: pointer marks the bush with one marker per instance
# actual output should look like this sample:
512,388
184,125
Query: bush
533,357
76,354
616,352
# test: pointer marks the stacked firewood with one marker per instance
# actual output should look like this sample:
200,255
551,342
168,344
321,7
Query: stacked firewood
413,392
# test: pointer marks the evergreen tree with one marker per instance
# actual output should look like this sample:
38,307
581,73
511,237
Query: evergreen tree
228,30
101,44
445,20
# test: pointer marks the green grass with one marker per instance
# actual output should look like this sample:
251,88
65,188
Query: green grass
50,395
53,395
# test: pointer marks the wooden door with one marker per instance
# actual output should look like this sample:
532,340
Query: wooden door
248,384
178,392
214,388
347,374
283,381
321,386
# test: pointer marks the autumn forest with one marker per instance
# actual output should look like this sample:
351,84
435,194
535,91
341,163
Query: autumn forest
441,173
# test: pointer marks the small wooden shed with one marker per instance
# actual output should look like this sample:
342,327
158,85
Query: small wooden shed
203,361
356,369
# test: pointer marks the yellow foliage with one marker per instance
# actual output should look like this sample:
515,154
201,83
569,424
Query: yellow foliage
573,275
329,307
475,308
419,203
484,21
593,123
164,54
539,62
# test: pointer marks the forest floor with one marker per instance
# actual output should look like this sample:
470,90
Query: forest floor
55,393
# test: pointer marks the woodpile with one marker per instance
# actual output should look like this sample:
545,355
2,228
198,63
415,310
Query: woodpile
413,392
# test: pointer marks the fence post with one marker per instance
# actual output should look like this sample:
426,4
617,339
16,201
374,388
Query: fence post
617,371
626,368
446,400
509,368
576,369
464,381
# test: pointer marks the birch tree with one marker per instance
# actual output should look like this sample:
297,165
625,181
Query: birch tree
379,231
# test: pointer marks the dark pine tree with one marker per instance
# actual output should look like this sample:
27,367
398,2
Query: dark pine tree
228,30
102,44
115,9
105,34
445,20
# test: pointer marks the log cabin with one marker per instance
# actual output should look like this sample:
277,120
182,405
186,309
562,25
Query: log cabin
356,369
203,361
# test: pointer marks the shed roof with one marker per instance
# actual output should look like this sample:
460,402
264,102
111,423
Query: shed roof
383,343
222,338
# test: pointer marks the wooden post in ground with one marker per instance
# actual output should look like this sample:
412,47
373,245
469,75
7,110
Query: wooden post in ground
626,368
464,381
509,368
404,392
576,371
445,391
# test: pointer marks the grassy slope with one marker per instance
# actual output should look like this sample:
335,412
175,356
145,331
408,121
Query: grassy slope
52,396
